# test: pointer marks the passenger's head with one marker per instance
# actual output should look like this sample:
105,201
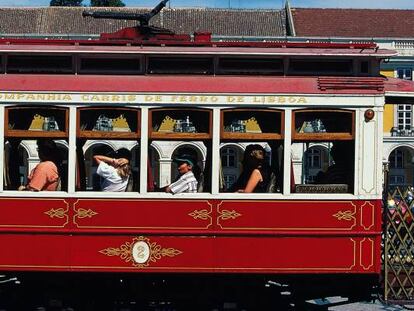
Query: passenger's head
48,151
121,153
124,170
254,156
185,163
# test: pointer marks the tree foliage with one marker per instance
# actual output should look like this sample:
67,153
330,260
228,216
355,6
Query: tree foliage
113,3
65,2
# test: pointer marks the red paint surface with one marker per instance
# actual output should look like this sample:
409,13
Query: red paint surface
170,84
210,236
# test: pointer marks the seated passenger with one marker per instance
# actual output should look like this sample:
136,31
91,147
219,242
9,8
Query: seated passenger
114,170
256,173
186,181
45,176
341,172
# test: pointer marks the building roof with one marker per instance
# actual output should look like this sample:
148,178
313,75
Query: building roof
69,20
361,23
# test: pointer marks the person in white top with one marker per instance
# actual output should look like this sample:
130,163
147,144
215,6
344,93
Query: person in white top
114,170
186,182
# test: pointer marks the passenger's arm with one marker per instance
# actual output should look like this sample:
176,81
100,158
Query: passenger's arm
254,179
101,158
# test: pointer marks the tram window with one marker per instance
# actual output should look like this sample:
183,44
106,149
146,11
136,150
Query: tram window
323,124
178,135
326,167
36,121
90,178
36,148
364,67
36,165
270,66
39,64
108,156
110,65
323,151
251,139
180,65
320,66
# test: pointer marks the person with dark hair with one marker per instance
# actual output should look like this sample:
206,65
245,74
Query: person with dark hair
256,173
45,176
186,181
114,169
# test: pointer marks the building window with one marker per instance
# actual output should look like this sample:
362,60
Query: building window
404,113
397,159
404,73
313,158
396,179
229,180
228,157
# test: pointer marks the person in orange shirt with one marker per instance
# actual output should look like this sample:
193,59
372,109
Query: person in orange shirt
45,176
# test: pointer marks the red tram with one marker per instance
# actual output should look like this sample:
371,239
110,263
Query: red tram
164,94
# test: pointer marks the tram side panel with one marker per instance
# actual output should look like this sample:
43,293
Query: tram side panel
191,236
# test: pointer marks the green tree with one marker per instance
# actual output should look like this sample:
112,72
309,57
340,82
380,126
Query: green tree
65,2
112,3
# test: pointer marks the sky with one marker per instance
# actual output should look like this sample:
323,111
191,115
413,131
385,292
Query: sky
250,4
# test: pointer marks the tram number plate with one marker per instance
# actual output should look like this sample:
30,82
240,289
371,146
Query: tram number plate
141,252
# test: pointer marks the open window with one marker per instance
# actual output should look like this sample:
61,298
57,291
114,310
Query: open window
323,153
36,148
107,134
251,139
177,132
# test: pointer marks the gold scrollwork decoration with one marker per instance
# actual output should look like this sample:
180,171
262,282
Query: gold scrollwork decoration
128,253
58,213
200,214
85,213
345,215
226,214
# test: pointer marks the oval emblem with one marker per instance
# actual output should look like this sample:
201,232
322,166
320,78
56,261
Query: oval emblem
140,252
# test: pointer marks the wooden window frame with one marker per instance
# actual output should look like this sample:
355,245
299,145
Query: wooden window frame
89,134
323,136
251,136
35,134
179,136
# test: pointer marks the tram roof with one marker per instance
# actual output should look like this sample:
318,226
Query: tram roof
194,47
193,84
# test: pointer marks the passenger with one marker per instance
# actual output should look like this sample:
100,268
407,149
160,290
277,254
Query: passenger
256,173
114,170
186,181
45,176
341,172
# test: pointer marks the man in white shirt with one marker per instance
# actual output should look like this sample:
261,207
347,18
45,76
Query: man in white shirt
186,183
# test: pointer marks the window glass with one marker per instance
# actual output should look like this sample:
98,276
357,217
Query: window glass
179,150
35,165
404,117
397,159
251,150
110,65
107,148
36,148
323,151
42,64
404,73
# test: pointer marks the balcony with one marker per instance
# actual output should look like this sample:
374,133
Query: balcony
396,132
